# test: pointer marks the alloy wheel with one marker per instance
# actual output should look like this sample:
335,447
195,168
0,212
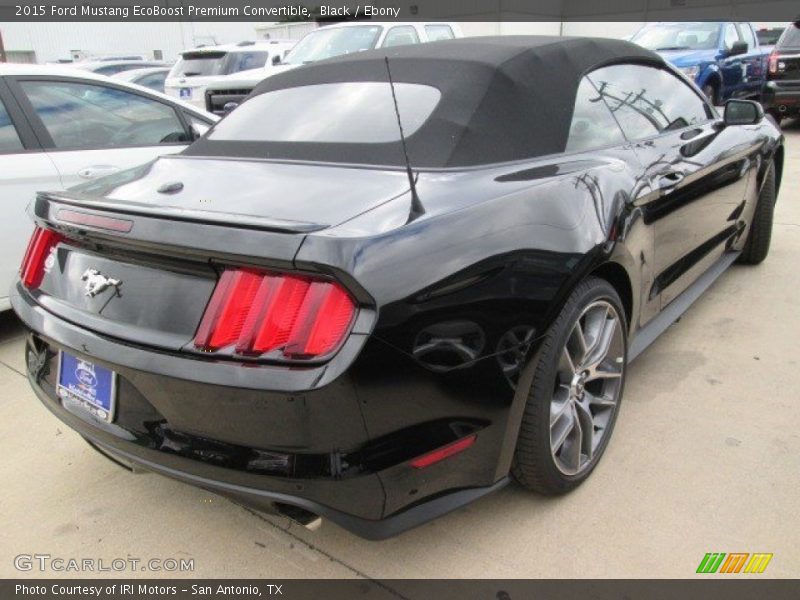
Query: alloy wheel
587,387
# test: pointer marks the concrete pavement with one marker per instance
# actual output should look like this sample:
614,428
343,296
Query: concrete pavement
705,458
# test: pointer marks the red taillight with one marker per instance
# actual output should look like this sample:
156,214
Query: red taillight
426,460
260,312
33,266
773,62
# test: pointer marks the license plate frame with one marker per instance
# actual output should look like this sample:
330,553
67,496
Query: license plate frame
77,392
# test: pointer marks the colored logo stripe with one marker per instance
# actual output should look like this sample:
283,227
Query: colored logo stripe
735,561
758,562
711,562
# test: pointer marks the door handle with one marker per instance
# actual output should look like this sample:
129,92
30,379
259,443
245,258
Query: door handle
97,171
669,181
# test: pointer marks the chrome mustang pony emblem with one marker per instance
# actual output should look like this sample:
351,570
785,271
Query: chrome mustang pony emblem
96,282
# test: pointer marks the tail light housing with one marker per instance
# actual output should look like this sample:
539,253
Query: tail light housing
278,315
35,262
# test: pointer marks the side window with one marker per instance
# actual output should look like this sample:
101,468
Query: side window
79,115
439,32
244,61
592,124
647,101
747,35
731,35
9,138
401,36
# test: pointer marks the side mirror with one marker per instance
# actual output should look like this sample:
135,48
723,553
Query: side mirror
737,49
276,60
743,112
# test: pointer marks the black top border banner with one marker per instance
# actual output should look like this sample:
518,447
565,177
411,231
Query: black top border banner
398,10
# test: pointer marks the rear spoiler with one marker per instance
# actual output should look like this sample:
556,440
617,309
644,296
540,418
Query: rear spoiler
199,234
173,213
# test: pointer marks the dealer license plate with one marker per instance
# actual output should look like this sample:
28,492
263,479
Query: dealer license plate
86,385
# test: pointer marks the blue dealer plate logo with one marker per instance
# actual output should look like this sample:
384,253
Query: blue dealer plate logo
87,385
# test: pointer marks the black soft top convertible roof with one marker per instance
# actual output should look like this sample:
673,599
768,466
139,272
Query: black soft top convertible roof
502,99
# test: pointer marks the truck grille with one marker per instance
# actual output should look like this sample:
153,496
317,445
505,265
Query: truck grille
217,99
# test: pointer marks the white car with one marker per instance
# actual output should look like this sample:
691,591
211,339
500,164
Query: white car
151,77
112,67
60,127
198,68
326,42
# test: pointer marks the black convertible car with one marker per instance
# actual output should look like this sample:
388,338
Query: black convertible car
389,282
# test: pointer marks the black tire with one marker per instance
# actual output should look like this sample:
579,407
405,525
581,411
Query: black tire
534,464
759,237
710,92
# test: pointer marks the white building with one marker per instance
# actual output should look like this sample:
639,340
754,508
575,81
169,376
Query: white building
48,42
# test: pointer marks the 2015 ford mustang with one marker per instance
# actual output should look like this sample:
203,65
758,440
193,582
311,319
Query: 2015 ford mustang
390,282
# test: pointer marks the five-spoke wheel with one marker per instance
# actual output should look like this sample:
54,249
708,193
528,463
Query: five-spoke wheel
573,401
587,386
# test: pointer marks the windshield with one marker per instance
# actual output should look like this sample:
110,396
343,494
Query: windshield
679,36
790,37
205,64
333,41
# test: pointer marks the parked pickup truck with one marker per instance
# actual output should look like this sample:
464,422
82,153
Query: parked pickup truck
723,58
782,92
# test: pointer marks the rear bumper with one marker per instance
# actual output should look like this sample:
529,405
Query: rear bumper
264,499
318,455
782,97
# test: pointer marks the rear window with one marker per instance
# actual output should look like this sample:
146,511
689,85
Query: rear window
790,37
205,64
244,61
768,37
198,64
347,112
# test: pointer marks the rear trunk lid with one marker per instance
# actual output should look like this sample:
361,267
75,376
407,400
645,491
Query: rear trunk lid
283,197
165,248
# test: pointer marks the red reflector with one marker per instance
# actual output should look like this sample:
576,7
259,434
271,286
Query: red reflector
75,217
426,460
40,245
263,312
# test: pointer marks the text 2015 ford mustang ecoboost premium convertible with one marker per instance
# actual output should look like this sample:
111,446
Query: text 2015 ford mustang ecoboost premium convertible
391,281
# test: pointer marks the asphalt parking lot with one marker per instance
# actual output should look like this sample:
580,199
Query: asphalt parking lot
705,458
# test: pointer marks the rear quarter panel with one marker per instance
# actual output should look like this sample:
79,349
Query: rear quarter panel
496,254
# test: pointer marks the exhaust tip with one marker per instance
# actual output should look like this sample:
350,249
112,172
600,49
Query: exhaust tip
782,108
299,515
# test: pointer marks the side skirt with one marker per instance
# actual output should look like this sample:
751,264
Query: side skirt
648,334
